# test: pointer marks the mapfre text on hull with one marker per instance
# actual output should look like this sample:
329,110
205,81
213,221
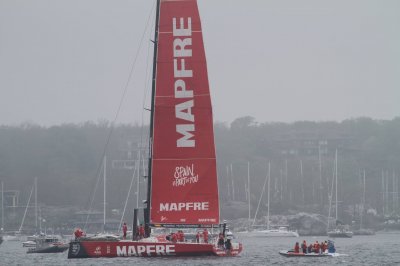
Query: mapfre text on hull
96,249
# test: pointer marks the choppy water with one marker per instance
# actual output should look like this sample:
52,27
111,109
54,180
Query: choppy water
380,249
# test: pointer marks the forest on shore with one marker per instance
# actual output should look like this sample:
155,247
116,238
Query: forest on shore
67,160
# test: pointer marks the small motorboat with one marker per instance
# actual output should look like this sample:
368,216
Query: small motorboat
330,251
291,253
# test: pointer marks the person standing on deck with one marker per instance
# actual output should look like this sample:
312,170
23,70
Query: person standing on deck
181,236
221,240
174,237
78,233
198,237
205,235
141,231
124,230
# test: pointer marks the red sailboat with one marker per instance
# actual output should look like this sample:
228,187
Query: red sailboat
182,182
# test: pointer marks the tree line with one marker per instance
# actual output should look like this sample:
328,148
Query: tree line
67,160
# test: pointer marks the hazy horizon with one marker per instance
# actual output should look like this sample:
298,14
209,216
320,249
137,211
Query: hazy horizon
277,61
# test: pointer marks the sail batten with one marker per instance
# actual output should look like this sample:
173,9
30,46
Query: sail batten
184,178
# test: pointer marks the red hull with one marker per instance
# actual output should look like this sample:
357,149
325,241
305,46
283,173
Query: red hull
96,249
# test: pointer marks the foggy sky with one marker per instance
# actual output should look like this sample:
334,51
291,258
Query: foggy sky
283,60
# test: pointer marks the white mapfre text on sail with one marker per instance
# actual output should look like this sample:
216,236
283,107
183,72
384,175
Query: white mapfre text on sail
183,110
184,206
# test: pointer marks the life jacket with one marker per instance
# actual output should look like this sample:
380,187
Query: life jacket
205,235
181,237
316,247
141,230
174,237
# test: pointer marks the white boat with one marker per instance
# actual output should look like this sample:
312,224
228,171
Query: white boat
12,236
48,244
32,241
340,232
281,231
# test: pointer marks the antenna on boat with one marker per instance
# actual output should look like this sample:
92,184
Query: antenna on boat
153,90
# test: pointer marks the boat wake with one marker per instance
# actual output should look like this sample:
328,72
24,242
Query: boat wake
339,255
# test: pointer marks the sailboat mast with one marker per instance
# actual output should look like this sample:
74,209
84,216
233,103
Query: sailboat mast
248,186
320,175
104,192
153,93
383,193
2,205
233,184
269,182
138,181
336,184
363,203
302,182
262,193
36,206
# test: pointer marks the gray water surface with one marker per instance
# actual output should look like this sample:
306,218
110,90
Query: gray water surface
380,249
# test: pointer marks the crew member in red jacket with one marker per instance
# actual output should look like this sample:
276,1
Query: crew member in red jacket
297,248
205,235
316,247
124,230
141,231
78,233
174,237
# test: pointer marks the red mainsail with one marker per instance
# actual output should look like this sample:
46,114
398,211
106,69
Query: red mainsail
184,187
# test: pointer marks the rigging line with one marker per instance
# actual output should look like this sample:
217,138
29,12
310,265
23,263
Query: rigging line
94,192
262,192
26,209
146,86
119,107
127,197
